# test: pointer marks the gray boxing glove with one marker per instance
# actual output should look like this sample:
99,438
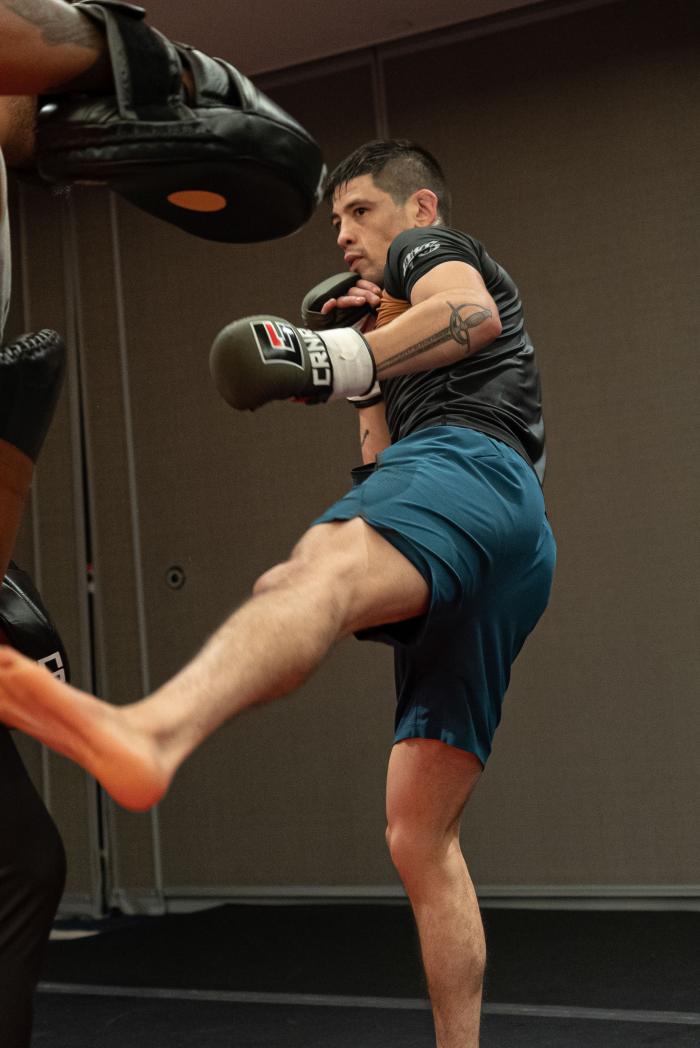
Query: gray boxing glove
263,358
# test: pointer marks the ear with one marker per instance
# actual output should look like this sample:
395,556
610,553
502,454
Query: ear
425,207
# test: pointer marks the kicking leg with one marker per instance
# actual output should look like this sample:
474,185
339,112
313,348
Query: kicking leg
340,577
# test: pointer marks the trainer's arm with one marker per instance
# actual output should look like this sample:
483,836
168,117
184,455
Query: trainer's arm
452,316
17,126
48,45
6,120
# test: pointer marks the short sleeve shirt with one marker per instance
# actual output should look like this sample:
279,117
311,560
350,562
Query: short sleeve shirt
496,390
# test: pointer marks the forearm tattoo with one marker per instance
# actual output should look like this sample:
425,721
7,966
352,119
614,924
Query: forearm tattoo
364,438
457,331
56,28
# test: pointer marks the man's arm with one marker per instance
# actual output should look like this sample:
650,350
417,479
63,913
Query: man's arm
48,45
452,317
262,358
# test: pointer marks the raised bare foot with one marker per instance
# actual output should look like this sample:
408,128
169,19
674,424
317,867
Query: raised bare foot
98,736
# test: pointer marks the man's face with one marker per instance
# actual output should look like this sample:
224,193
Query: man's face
366,220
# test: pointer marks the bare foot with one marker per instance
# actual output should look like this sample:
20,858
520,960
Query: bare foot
94,734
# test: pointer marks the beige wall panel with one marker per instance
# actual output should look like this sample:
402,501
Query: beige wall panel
572,150
48,544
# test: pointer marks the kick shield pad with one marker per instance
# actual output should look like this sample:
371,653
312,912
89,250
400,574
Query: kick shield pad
31,376
27,626
227,164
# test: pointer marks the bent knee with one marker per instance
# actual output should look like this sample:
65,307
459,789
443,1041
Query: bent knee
273,578
317,557
295,574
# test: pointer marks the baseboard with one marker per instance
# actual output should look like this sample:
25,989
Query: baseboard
181,899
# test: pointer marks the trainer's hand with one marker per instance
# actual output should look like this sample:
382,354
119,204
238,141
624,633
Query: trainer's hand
263,358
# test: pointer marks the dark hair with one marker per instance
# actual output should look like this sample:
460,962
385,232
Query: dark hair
398,167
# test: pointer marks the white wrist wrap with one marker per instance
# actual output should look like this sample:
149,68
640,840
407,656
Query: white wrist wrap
353,363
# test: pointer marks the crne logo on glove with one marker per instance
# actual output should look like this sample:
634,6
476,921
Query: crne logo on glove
277,341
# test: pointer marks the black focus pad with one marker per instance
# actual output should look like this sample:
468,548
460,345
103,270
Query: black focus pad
31,375
27,624
333,287
228,164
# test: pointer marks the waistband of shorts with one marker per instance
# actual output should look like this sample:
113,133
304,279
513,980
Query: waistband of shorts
454,424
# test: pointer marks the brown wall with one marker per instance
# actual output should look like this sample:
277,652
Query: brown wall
570,148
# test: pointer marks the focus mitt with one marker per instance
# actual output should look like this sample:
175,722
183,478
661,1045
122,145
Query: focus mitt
26,623
227,165
264,358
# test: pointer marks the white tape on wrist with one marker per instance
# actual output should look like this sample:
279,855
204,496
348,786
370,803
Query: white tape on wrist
372,396
353,364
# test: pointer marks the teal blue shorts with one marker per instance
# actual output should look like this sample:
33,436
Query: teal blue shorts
468,512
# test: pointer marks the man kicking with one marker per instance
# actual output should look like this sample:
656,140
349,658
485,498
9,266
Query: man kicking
442,549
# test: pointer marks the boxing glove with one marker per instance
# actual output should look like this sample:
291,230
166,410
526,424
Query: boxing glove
263,358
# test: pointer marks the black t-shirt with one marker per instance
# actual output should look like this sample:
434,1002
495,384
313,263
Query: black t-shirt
495,391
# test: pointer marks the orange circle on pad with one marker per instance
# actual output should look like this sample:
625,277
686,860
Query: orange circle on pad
198,200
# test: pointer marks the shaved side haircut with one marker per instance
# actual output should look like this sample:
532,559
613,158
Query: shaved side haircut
398,167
